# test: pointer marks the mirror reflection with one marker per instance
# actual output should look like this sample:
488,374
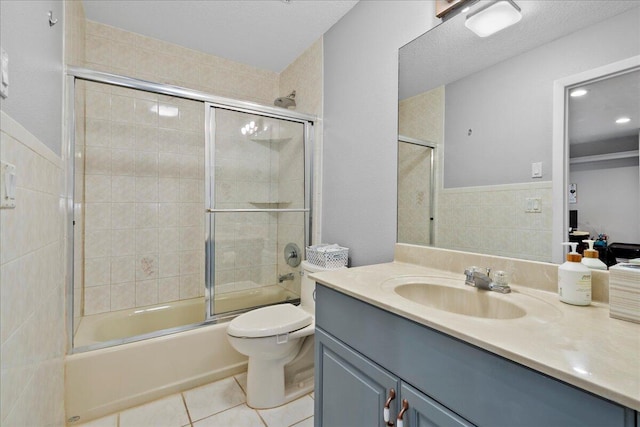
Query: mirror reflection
487,105
604,179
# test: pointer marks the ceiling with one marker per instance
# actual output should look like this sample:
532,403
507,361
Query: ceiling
453,52
592,117
267,34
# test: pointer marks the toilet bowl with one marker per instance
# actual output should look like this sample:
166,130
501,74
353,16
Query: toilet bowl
279,343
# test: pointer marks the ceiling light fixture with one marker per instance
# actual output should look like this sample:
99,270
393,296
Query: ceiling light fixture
494,16
623,120
578,92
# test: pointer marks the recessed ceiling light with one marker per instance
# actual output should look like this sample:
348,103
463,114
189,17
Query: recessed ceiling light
578,92
623,120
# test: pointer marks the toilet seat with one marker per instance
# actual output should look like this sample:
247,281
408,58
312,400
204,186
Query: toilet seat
269,321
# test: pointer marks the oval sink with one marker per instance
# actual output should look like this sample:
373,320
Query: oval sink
468,302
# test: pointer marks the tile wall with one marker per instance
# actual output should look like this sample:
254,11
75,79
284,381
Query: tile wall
492,220
420,117
414,193
305,76
144,199
114,50
32,292
484,219
122,52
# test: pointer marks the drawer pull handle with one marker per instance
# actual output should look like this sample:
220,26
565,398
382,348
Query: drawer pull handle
387,405
405,408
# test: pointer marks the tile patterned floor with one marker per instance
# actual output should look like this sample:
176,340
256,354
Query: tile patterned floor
219,404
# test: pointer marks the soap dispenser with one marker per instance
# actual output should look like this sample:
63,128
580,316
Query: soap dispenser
591,259
574,279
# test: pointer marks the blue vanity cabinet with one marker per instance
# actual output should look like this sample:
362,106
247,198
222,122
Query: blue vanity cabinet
362,351
354,391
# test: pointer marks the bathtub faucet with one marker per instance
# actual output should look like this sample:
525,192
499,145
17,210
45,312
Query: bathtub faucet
283,277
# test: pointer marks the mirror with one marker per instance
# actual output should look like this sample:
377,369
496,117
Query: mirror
488,106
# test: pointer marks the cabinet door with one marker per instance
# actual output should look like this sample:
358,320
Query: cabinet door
350,390
426,412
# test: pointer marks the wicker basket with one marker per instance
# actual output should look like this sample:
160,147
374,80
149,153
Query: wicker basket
335,257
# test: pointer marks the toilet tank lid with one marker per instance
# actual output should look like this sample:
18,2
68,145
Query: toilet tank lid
269,321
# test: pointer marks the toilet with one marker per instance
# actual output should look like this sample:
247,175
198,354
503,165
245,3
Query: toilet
279,343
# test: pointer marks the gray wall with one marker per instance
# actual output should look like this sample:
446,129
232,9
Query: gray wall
35,67
509,106
361,124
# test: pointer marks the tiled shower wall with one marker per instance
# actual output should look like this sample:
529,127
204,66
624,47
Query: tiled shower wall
420,117
144,199
122,52
114,50
414,192
486,219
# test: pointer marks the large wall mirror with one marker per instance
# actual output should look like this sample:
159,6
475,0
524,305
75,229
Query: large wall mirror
487,107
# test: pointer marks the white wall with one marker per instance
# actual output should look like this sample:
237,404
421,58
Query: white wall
608,199
35,67
519,92
361,124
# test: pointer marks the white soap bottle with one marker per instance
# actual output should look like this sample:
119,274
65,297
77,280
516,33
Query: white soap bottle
591,259
574,279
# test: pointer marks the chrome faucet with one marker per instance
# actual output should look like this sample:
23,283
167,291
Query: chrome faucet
479,278
283,277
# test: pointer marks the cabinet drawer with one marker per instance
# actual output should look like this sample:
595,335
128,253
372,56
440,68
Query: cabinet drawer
480,386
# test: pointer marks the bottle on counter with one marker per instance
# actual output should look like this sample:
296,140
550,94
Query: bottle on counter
591,257
574,279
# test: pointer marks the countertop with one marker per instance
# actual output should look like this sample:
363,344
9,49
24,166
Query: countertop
581,346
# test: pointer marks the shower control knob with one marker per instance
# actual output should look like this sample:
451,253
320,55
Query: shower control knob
292,255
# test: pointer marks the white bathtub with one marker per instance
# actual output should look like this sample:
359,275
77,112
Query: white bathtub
107,380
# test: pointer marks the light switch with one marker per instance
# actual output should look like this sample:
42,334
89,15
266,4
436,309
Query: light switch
536,170
534,205
7,185
4,73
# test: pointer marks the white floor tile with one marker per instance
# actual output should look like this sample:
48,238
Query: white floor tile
213,398
240,416
305,423
242,380
288,414
108,421
167,412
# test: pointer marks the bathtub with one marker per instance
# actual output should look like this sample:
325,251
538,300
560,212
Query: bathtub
106,380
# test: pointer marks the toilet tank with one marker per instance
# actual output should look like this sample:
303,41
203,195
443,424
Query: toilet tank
308,286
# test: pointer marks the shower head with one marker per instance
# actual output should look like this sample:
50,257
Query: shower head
286,101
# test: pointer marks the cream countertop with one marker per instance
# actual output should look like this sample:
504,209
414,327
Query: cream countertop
581,346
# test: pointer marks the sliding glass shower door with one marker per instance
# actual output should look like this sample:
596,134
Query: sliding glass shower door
257,212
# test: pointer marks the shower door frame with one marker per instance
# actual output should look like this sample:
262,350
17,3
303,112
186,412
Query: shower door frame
210,209
84,74
432,175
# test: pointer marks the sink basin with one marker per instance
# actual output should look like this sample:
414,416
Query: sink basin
468,302
451,295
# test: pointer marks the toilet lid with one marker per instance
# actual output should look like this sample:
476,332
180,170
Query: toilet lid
268,321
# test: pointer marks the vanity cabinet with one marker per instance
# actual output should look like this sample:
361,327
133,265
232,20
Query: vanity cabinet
355,392
363,351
